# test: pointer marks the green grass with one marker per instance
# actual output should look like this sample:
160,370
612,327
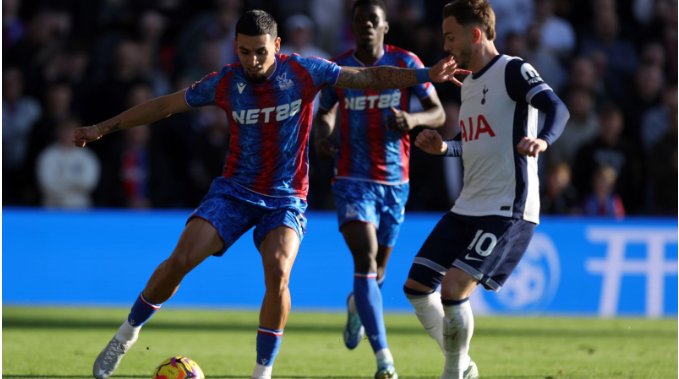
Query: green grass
63,342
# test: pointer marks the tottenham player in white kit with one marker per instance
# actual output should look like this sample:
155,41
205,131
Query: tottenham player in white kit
483,237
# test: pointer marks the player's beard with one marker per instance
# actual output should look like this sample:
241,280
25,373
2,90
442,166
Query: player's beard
464,58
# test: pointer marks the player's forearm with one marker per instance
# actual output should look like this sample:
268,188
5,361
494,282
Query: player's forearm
381,77
324,124
433,117
556,115
142,114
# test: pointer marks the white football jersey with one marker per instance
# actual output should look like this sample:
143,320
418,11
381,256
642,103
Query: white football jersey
495,115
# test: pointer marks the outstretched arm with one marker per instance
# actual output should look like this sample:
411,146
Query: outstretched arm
389,77
142,114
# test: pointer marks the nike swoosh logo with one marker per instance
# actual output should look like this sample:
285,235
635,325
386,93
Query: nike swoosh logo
472,258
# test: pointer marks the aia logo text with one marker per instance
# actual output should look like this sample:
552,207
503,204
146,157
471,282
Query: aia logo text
472,129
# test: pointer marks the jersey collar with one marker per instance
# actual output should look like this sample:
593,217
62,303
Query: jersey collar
485,68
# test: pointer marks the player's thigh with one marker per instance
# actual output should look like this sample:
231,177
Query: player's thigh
278,234
457,284
279,250
198,240
438,252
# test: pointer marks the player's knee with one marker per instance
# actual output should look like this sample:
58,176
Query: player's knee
457,285
412,288
277,277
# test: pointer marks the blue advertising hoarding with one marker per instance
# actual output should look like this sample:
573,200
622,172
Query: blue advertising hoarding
574,266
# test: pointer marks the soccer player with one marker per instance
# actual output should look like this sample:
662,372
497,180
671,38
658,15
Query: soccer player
483,237
267,98
371,169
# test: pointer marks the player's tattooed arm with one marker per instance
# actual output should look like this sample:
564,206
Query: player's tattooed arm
142,114
388,77
382,77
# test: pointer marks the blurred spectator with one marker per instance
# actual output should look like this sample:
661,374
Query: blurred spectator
662,170
658,22
656,121
582,126
208,148
208,59
625,52
19,114
12,25
329,16
511,16
69,66
610,149
135,163
403,25
583,74
57,109
67,174
603,200
643,93
529,47
218,25
151,28
559,196
615,57
299,37
58,100
135,168
557,34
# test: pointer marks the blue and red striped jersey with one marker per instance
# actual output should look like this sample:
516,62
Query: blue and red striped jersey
269,121
367,150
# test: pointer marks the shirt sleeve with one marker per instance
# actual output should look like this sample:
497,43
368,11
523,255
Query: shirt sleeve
523,81
525,85
454,147
202,92
323,72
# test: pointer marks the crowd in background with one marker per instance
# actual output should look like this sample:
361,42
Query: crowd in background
68,63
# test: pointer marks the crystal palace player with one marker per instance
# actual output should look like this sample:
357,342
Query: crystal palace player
268,100
485,234
371,169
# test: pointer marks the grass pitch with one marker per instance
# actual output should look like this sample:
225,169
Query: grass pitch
63,342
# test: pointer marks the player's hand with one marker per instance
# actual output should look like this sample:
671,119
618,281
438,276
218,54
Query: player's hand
86,134
325,148
399,120
445,70
531,146
430,141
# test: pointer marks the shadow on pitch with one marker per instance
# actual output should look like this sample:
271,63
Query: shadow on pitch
330,328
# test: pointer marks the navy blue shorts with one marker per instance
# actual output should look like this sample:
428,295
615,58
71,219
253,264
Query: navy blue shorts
382,205
233,210
486,247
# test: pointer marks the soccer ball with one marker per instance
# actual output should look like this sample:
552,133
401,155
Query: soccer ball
178,367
